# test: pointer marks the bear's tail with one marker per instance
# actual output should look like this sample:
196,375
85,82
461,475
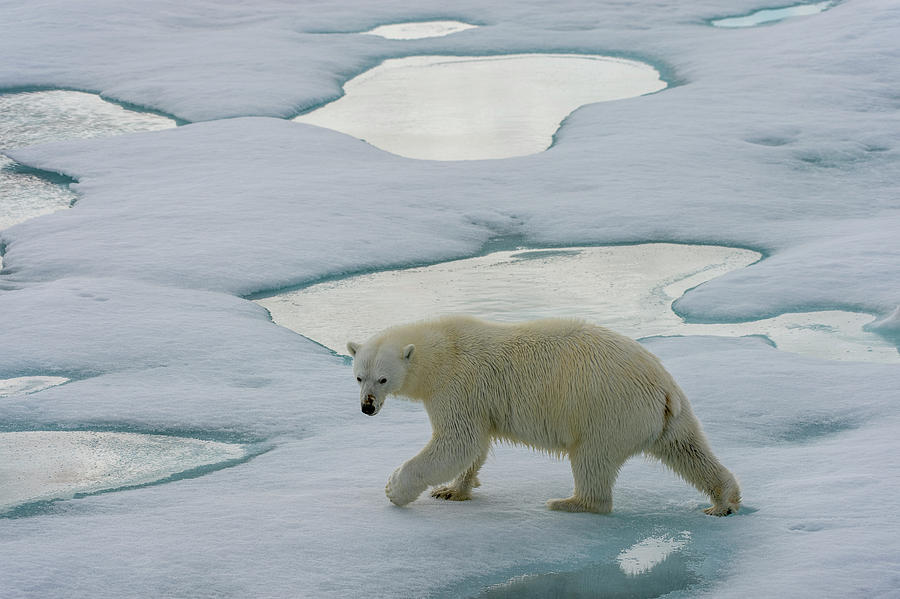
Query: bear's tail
683,448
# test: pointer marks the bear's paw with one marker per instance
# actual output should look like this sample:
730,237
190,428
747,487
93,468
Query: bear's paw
451,493
575,504
721,510
400,489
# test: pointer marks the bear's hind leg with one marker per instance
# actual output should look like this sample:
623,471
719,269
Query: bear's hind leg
689,455
461,487
595,475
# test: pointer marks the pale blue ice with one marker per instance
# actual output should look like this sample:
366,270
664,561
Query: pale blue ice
780,139
773,15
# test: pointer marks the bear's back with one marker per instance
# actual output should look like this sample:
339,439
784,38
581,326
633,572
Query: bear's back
550,355
546,382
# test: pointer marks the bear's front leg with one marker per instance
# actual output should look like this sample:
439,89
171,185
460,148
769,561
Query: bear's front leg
401,488
442,459
461,487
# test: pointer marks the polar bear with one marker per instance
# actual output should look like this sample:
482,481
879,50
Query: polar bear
559,385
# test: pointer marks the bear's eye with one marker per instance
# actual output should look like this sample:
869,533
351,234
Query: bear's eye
358,380
382,381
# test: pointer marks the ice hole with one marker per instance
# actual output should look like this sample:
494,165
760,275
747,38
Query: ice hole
773,15
419,30
30,118
45,465
629,289
476,107
24,385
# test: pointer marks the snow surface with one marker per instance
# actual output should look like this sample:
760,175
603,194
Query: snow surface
628,288
781,139
28,118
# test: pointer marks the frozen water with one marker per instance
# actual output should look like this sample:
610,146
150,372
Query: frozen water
476,107
29,118
648,553
627,288
22,385
35,117
271,212
25,194
772,15
605,581
782,139
419,29
890,323
46,465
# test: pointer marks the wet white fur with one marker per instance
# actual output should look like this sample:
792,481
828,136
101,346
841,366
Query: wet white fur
558,385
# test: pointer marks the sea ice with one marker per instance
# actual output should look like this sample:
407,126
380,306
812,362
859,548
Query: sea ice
670,577
772,15
22,385
782,139
419,30
628,288
44,465
644,555
35,117
29,118
890,323
476,107
24,195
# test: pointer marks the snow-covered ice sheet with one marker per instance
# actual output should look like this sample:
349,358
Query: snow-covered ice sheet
274,198
781,139
28,118
309,517
628,288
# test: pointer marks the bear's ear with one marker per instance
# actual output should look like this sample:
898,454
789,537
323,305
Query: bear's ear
352,348
408,351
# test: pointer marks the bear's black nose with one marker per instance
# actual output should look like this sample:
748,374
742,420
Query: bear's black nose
368,409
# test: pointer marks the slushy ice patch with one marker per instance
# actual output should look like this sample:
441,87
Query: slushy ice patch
629,289
773,15
46,465
23,385
673,572
30,118
419,30
645,555
475,107
25,195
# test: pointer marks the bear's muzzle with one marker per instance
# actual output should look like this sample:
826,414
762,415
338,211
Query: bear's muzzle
368,406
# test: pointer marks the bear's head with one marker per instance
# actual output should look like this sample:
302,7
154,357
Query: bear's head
380,369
